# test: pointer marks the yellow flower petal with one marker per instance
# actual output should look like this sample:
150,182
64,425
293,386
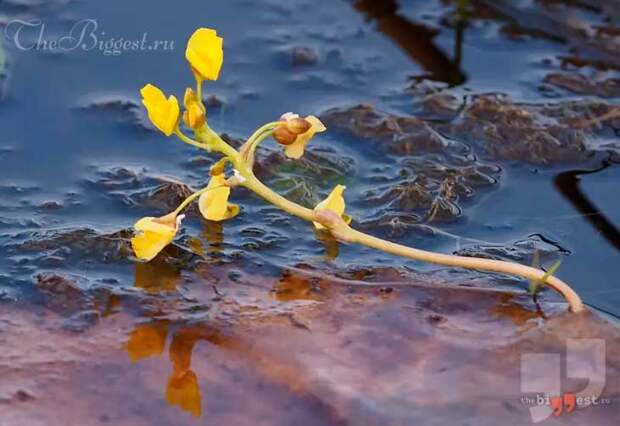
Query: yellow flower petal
163,113
205,54
213,204
296,149
189,97
153,235
335,203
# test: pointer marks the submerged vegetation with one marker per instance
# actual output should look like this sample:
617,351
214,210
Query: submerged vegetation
489,131
235,169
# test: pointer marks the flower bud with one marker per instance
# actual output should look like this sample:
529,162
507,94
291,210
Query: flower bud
218,168
283,135
194,116
288,116
298,125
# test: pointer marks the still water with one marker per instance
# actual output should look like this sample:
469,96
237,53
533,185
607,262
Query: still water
80,163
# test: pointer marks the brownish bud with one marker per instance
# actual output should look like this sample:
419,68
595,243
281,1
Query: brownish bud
284,136
186,118
194,116
218,168
298,125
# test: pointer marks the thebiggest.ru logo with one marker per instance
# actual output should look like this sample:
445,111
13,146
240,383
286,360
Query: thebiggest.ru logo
541,375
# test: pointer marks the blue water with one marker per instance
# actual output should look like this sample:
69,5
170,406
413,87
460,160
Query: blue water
55,139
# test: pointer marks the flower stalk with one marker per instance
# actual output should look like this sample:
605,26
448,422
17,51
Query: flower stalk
205,55
343,232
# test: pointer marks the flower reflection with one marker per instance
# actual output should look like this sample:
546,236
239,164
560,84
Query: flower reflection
156,276
182,386
148,340
213,233
330,244
182,389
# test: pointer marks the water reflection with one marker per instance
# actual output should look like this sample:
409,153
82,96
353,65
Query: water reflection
568,185
156,276
149,340
330,244
516,312
417,39
293,286
213,233
182,389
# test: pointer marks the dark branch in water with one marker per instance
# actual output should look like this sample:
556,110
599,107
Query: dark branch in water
568,185
416,39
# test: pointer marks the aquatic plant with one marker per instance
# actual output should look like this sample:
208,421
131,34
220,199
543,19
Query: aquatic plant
205,56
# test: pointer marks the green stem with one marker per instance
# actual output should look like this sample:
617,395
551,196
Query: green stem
249,155
340,230
212,140
208,136
190,141
269,126
276,199
351,235
199,89
262,133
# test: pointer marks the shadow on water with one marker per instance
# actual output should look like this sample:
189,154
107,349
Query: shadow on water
568,185
417,39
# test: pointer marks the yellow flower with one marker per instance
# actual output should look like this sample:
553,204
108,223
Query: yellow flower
154,233
163,113
204,53
214,203
296,149
335,203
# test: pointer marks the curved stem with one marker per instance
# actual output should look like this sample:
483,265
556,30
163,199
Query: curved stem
276,199
249,157
343,232
349,234
258,132
190,141
262,133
